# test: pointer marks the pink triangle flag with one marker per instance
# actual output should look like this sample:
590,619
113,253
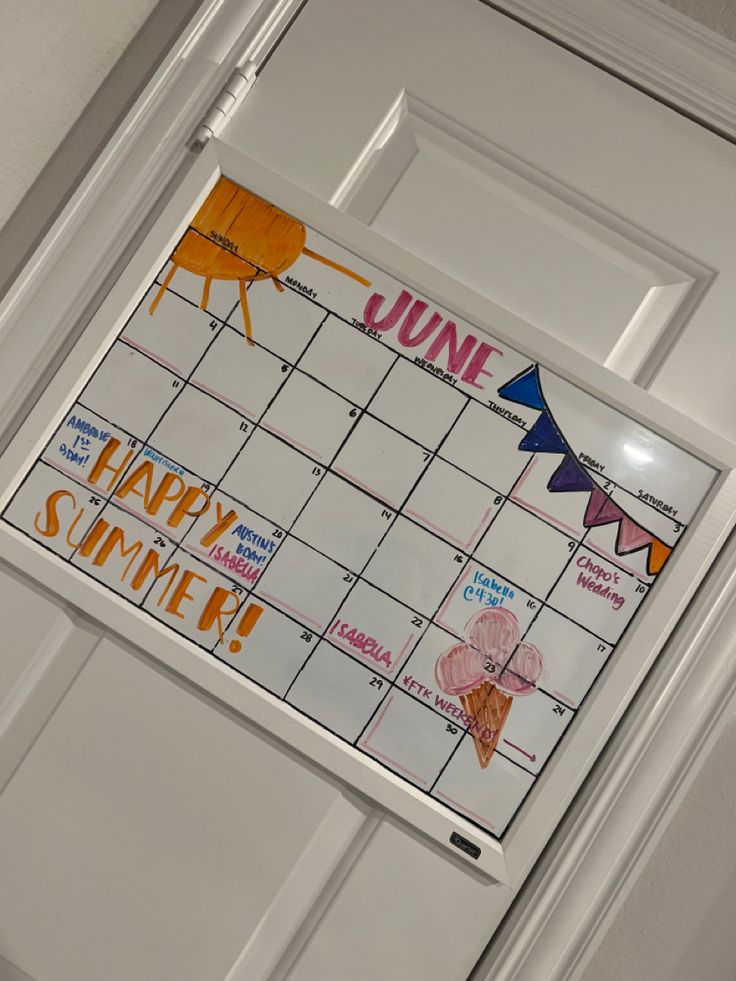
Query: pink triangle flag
631,537
601,510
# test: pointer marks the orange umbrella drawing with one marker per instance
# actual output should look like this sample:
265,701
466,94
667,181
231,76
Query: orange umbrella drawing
238,236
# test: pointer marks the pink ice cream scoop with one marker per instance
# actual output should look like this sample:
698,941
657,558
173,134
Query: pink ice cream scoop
460,670
526,665
495,632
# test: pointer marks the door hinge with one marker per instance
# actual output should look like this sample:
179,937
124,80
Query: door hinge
230,96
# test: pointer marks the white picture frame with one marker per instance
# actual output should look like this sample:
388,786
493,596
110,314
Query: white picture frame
508,860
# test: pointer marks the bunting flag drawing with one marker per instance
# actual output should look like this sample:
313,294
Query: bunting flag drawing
571,477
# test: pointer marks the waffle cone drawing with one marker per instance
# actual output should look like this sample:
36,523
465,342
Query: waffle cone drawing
489,707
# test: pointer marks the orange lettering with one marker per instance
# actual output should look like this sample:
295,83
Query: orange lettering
182,508
180,593
215,609
223,523
52,518
101,464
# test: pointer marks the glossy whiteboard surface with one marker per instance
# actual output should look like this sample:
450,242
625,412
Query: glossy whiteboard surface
395,524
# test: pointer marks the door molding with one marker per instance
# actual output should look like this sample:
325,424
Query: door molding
609,833
648,44
582,878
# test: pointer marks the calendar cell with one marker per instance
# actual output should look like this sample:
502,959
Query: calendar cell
54,510
597,595
418,675
220,302
288,320
410,739
478,588
130,390
347,361
564,511
525,550
414,566
414,402
200,434
455,506
533,728
304,584
343,522
573,657
310,417
491,801
272,653
244,377
376,628
272,478
156,490
336,691
76,445
180,591
487,447
232,539
119,552
381,461
177,336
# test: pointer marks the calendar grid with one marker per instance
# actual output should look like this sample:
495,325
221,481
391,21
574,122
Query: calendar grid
424,459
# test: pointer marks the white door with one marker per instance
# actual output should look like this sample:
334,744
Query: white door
148,832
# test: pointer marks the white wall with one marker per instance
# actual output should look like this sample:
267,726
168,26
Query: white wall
677,921
717,15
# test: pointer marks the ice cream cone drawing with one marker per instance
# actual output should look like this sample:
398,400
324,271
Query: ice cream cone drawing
487,672
236,235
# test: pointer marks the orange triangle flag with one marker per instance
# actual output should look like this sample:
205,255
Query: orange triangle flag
658,555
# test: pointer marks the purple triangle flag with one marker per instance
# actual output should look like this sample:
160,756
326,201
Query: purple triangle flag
569,476
544,437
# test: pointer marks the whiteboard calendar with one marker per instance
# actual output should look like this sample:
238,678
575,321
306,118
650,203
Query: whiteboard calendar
400,527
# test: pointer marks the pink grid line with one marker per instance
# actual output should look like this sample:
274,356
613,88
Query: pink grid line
223,398
483,820
450,597
378,721
292,609
75,476
543,514
564,698
479,528
398,766
367,487
290,439
616,561
156,357
446,533
523,475
403,649
144,518
442,531
198,551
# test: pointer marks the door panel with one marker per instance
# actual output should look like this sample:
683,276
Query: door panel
34,622
152,835
146,833
555,189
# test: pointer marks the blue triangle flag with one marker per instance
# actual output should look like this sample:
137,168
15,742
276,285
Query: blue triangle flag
524,389
544,437
569,476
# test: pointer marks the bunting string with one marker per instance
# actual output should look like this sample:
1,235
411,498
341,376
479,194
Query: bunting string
570,476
